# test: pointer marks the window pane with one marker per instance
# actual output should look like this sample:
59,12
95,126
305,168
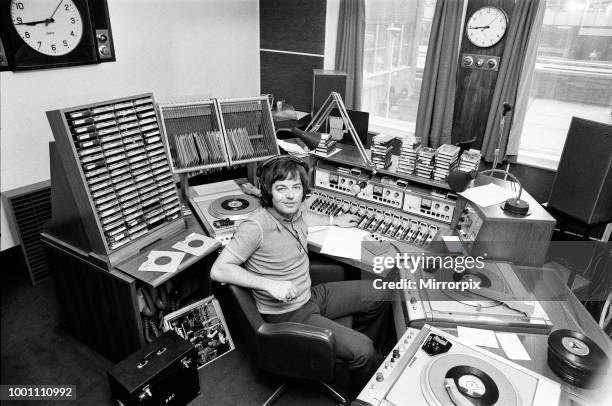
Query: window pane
573,75
397,33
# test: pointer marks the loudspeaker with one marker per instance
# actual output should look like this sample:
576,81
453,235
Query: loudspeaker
582,187
323,83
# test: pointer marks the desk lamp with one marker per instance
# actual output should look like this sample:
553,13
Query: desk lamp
459,180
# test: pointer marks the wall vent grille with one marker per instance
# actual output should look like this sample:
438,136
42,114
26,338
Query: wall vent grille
28,209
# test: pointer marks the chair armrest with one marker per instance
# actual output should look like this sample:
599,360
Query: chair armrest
296,350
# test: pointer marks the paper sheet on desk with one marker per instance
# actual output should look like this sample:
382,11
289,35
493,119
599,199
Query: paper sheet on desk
487,195
512,346
344,242
477,336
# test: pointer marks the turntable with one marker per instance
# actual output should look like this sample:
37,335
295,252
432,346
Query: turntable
501,303
221,207
432,367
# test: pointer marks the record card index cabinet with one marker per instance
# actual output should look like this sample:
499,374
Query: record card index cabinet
114,200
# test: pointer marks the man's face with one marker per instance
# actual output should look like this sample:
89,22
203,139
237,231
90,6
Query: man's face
287,196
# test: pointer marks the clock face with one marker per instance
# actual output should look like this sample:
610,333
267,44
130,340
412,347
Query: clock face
53,28
486,26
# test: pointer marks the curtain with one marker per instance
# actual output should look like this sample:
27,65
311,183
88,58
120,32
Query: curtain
437,98
521,30
349,49
524,86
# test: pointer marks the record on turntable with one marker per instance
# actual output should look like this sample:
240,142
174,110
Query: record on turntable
221,207
453,378
234,207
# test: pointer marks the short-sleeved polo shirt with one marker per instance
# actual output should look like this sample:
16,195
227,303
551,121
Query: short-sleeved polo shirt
275,248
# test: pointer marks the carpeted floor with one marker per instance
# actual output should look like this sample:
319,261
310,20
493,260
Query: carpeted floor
36,349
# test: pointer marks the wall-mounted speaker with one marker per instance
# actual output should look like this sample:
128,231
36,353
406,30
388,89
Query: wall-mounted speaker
582,187
323,83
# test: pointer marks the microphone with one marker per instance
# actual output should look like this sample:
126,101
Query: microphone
311,139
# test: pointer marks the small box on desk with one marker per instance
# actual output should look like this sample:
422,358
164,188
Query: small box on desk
163,372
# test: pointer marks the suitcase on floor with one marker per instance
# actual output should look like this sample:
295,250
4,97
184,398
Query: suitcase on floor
163,372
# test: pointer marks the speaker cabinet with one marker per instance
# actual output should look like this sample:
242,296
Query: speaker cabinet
323,83
582,187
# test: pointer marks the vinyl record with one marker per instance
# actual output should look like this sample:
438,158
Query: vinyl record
487,279
234,207
162,260
477,380
235,204
577,349
474,384
575,358
195,243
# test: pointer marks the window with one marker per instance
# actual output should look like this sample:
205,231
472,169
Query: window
573,77
396,37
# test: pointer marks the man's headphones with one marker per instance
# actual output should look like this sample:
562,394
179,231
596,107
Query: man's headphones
271,161
268,163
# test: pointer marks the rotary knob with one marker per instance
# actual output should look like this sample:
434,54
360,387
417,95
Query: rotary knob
492,63
104,51
380,377
479,62
468,61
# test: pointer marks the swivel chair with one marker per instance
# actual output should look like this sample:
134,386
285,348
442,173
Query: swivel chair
290,350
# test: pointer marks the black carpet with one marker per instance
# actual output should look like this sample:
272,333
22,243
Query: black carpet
37,349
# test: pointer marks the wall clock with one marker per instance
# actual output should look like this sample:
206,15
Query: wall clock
486,26
484,38
39,34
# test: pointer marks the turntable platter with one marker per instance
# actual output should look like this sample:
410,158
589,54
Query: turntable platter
488,281
234,207
476,380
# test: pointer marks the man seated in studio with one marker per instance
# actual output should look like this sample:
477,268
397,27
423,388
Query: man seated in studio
269,255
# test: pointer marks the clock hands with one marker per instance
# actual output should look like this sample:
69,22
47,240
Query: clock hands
55,11
483,27
47,21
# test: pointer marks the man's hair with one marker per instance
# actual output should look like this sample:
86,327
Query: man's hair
281,170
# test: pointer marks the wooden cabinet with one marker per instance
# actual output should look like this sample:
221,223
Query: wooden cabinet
114,200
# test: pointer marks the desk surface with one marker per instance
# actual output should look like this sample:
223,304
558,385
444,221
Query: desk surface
563,308
565,312
131,265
